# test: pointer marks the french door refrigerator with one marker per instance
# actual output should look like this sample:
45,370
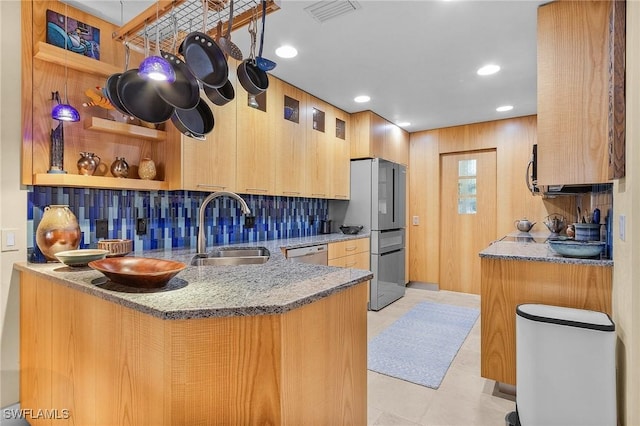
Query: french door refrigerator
378,194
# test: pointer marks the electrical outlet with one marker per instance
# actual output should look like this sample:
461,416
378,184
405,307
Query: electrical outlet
415,220
141,226
621,227
102,228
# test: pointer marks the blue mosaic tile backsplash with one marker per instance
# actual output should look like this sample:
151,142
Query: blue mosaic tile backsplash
172,216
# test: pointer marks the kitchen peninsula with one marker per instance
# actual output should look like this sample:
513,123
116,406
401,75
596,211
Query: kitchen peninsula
522,268
278,343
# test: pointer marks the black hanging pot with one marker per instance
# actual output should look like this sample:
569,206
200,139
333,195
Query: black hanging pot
205,59
253,79
221,95
141,99
184,92
196,122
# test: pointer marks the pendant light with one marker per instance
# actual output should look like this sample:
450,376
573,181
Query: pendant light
64,111
156,67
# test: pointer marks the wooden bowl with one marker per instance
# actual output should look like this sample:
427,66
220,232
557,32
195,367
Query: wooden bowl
140,272
116,247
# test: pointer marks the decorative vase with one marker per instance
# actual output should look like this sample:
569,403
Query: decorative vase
147,169
88,163
57,231
120,168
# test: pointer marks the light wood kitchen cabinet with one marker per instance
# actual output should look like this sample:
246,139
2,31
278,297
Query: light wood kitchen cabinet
374,137
319,140
104,363
581,106
507,283
396,144
209,164
289,138
350,254
340,163
255,173
328,161
367,135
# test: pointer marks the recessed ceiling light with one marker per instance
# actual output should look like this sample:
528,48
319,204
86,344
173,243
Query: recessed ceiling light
489,69
504,108
362,98
403,123
287,51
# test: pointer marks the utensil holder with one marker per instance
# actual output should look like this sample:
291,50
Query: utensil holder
587,231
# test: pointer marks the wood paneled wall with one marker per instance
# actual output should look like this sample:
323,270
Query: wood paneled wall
513,140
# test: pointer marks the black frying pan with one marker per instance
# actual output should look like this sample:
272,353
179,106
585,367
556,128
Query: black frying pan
141,99
221,95
184,93
111,92
195,123
205,59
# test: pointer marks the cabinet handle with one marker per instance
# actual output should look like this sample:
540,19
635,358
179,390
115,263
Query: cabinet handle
319,195
291,192
344,197
351,248
257,189
202,185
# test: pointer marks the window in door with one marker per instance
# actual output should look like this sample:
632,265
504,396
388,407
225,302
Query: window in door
467,189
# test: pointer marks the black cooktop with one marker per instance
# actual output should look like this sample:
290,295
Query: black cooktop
525,238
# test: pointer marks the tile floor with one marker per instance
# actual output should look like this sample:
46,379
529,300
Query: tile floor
464,398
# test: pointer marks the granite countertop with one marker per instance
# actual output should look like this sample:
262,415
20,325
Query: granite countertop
533,247
274,287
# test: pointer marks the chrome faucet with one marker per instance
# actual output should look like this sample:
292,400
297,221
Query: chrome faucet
202,244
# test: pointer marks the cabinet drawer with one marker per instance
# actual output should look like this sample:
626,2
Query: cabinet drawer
356,261
348,247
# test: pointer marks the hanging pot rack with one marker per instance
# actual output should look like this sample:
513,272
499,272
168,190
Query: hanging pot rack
189,15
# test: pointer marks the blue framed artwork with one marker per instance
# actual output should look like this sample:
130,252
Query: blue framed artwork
77,36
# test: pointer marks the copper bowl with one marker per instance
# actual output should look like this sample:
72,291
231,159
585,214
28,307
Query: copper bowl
141,272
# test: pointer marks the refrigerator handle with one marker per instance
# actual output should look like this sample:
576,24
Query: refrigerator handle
393,197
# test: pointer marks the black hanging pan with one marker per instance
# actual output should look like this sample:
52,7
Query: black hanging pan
221,95
184,93
204,57
110,88
111,93
141,99
196,122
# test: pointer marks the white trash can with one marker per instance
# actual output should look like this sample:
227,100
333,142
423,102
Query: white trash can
565,366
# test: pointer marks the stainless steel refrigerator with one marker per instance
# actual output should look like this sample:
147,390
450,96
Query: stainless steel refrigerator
378,195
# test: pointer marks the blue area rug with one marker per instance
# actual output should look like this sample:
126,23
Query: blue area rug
420,345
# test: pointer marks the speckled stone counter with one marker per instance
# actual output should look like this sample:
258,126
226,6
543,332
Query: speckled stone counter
533,247
274,287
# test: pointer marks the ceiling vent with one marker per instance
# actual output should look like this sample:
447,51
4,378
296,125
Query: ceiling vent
323,11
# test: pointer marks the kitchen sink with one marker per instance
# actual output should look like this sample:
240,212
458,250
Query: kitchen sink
232,256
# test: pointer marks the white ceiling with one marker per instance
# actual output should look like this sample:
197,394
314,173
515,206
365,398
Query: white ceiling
416,59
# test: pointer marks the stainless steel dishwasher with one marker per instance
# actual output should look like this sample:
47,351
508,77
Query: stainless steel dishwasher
312,254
